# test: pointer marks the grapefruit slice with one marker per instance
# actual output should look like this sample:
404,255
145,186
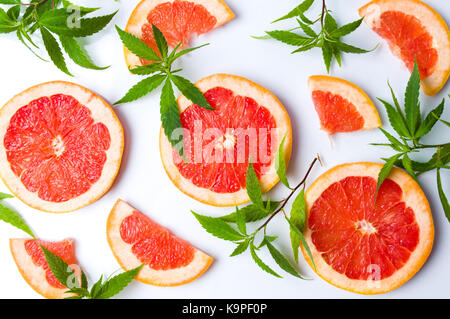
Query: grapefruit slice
413,30
178,20
61,146
247,122
33,267
341,105
361,245
136,239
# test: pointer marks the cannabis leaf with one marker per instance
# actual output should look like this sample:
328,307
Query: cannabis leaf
239,232
56,20
328,38
160,65
410,128
10,216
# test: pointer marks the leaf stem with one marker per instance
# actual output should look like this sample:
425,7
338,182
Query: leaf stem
285,201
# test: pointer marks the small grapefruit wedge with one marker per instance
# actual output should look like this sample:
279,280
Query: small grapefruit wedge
413,30
135,239
341,105
178,20
248,122
33,267
362,245
61,146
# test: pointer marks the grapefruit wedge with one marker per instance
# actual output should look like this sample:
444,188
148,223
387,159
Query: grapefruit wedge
33,267
248,122
168,260
178,20
61,146
341,105
413,30
362,245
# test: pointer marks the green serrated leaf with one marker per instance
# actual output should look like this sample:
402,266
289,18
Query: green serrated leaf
253,212
260,263
117,283
346,29
77,54
327,54
280,163
307,29
7,24
242,247
282,261
4,196
297,11
330,23
430,120
396,120
147,69
344,47
240,221
302,240
442,197
253,186
84,281
83,10
218,228
396,144
386,170
137,46
60,269
297,218
96,288
54,50
13,12
161,42
184,52
8,215
305,47
267,239
407,164
337,55
9,1
290,38
190,91
412,108
142,88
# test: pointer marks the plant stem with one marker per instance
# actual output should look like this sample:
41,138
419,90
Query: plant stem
284,201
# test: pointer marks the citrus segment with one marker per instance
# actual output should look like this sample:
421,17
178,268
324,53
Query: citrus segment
168,260
341,105
363,244
153,244
61,147
178,20
247,122
414,31
33,266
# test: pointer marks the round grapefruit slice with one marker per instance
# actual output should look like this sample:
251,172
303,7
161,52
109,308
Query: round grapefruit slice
178,20
168,260
248,122
413,30
362,245
33,267
61,146
341,105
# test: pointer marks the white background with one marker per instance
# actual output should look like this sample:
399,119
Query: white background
142,180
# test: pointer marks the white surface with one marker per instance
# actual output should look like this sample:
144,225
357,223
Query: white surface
144,184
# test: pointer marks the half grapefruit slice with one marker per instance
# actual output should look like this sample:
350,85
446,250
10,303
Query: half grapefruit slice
362,245
135,239
178,20
248,122
341,105
61,146
33,267
413,30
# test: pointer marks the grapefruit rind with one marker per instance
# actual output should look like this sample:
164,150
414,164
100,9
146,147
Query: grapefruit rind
101,112
433,23
34,275
127,260
243,87
216,8
413,197
350,92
